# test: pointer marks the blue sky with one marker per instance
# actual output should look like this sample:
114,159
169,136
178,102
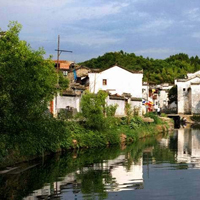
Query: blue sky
153,28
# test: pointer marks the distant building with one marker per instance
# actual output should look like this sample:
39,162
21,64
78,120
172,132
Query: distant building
159,95
188,94
69,100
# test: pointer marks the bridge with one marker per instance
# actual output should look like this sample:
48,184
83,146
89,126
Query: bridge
177,119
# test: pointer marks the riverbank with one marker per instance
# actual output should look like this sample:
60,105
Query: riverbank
78,136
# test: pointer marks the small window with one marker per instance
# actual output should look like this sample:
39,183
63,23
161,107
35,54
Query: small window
104,81
64,73
183,89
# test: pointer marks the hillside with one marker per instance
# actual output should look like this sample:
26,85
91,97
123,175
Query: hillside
156,71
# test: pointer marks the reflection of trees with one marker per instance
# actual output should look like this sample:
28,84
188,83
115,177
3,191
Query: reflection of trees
92,182
134,152
17,186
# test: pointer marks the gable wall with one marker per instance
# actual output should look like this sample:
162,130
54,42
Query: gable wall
118,81
184,99
195,98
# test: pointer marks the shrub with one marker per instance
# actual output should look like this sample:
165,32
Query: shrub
111,109
163,115
93,109
136,122
152,115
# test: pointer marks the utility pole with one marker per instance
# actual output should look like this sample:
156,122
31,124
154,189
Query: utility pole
59,51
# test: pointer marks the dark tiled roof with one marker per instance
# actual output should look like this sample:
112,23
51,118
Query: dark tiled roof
101,70
136,99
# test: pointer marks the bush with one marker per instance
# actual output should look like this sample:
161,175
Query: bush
93,109
163,115
152,115
136,122
65,114
110,110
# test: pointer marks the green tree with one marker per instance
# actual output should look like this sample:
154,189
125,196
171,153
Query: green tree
27,82
93,109
172,95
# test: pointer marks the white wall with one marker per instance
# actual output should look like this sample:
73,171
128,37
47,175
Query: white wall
195,98
183,96
137,105
64,101
190,75
120,108
145,92
118,81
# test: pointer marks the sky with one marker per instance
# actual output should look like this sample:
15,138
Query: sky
90,28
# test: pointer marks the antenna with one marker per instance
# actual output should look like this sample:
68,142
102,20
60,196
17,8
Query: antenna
59,51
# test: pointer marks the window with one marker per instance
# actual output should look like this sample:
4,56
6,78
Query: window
64,73
104,81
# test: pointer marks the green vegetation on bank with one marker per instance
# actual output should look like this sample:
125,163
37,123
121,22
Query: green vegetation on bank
28,84
155,71
102,129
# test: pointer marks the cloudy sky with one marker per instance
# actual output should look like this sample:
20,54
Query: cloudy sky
153,28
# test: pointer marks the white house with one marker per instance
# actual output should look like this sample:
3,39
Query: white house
162,96
188,94
124,86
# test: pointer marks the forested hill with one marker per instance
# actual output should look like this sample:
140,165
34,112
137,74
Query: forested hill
155,70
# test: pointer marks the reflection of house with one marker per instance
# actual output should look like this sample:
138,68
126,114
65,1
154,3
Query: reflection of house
188,94
124,86
44,192
189,146
122,178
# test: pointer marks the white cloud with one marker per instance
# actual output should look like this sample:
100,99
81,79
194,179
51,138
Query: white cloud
196,35
157,51
91,12
193,14
154,26
96,39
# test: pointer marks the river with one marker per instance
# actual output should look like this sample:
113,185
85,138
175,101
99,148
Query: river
166,167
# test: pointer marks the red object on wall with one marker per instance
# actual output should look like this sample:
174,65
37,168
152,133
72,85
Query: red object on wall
51,107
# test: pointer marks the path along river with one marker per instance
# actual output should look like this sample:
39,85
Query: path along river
167,167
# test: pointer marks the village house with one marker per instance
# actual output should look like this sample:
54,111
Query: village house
188,95
163,91
158,94
69,100
124,86
145,97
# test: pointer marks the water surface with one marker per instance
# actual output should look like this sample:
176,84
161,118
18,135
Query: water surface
167,167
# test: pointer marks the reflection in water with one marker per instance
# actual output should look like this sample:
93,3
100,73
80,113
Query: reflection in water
89,173
189,147
107,173
98,178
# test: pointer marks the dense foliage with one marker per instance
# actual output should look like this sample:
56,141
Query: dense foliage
93,109
173,94
27,84
155,70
